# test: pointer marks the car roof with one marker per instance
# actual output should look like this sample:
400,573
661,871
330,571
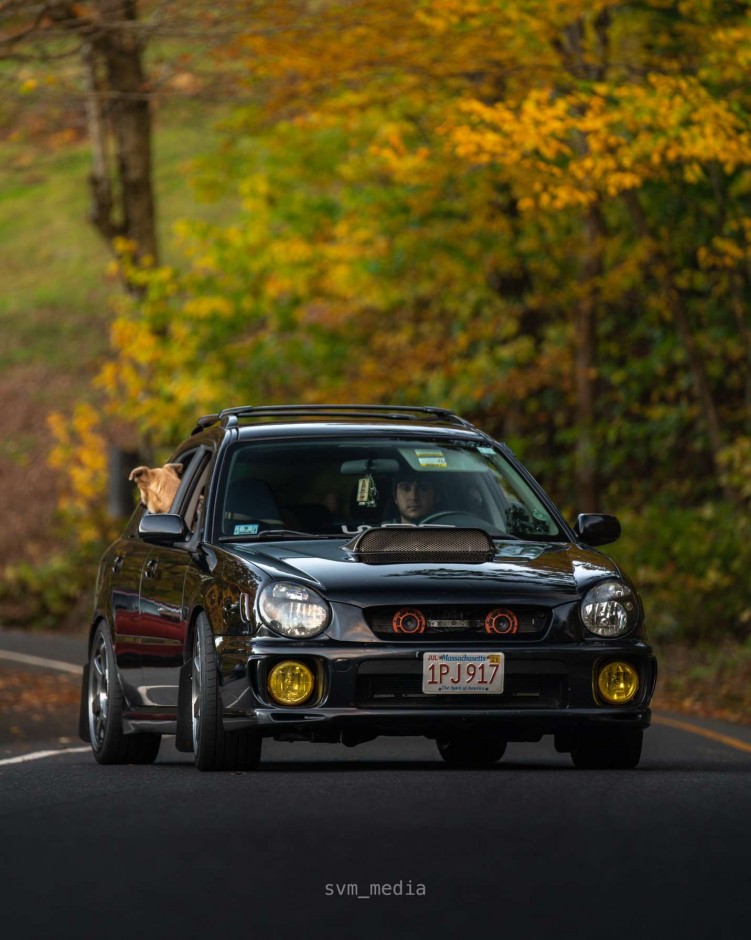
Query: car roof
354,429
315,420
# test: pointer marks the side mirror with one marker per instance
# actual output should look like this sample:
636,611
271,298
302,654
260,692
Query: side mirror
162,527
596,529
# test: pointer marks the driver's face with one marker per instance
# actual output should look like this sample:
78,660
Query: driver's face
414,499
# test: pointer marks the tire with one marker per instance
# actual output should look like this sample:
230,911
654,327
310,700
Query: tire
608,749
215,748
104,707
471,750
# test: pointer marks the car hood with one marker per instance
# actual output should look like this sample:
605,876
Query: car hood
520,571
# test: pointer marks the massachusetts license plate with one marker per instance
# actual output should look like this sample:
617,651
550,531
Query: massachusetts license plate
462,672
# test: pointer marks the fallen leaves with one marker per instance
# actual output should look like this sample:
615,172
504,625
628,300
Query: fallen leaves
36,695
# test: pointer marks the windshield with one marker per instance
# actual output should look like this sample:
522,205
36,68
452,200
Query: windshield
341,487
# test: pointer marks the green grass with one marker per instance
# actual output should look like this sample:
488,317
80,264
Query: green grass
18,450
54,290
51,279
55,309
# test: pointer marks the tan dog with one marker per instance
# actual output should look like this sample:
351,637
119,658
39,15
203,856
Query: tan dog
158,485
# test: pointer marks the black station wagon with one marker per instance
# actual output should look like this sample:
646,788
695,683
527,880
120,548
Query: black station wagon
334,573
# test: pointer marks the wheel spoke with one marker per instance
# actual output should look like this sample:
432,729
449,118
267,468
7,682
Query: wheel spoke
99,692
195,685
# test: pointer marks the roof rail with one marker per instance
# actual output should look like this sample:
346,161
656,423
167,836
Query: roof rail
205,422
230,416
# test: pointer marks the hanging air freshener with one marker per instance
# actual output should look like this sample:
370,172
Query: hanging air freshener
367,492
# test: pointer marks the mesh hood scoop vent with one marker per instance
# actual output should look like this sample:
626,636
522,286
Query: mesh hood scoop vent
396,545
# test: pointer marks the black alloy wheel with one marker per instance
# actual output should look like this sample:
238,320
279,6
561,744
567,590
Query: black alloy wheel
215,748
109,742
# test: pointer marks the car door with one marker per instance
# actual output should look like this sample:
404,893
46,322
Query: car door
163,618
123,569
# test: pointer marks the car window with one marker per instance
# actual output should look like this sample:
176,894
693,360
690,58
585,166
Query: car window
196,501
338,486
189,497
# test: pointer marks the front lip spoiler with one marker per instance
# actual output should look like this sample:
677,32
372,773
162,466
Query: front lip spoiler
517,723
274,721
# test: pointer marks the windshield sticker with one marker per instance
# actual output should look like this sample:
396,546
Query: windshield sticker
431,458
247,528
486,450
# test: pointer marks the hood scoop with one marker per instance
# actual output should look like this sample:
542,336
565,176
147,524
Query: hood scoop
398,545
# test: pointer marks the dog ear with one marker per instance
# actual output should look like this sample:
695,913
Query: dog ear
139,472
177,467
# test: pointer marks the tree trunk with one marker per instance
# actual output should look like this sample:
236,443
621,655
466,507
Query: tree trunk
585,364
100,178
740,285
119,49
119,120
702,389
592,68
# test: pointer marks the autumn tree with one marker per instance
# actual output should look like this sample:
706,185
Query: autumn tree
537,213
107,40
112,61
518,209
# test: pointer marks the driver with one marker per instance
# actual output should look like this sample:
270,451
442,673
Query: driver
414,497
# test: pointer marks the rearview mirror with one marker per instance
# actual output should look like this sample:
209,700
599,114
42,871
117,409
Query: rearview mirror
597,529
358,468
162,527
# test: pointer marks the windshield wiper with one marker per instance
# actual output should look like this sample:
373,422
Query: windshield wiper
288,534
271,534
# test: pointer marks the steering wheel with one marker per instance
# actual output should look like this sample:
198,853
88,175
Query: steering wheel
452,517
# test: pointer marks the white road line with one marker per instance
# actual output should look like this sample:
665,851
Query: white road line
39,661
38,755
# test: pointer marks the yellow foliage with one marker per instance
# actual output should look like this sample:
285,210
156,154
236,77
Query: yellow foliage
469,142
79,453
206,307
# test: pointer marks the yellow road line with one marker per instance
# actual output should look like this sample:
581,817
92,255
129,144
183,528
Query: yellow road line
704,732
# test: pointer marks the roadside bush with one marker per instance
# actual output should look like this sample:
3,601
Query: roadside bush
691,567
706,679
56,594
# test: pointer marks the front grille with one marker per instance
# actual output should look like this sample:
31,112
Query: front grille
466,623
402,688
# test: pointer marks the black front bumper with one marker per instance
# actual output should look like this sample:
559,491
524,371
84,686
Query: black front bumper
364,690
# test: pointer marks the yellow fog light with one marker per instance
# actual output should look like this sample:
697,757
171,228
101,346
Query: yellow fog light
617,683
290,683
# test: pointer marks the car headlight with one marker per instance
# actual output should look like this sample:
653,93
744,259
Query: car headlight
609,609
293,609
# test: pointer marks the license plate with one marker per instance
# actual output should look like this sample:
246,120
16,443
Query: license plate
462,673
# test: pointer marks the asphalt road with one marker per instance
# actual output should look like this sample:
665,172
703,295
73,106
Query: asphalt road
532,848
